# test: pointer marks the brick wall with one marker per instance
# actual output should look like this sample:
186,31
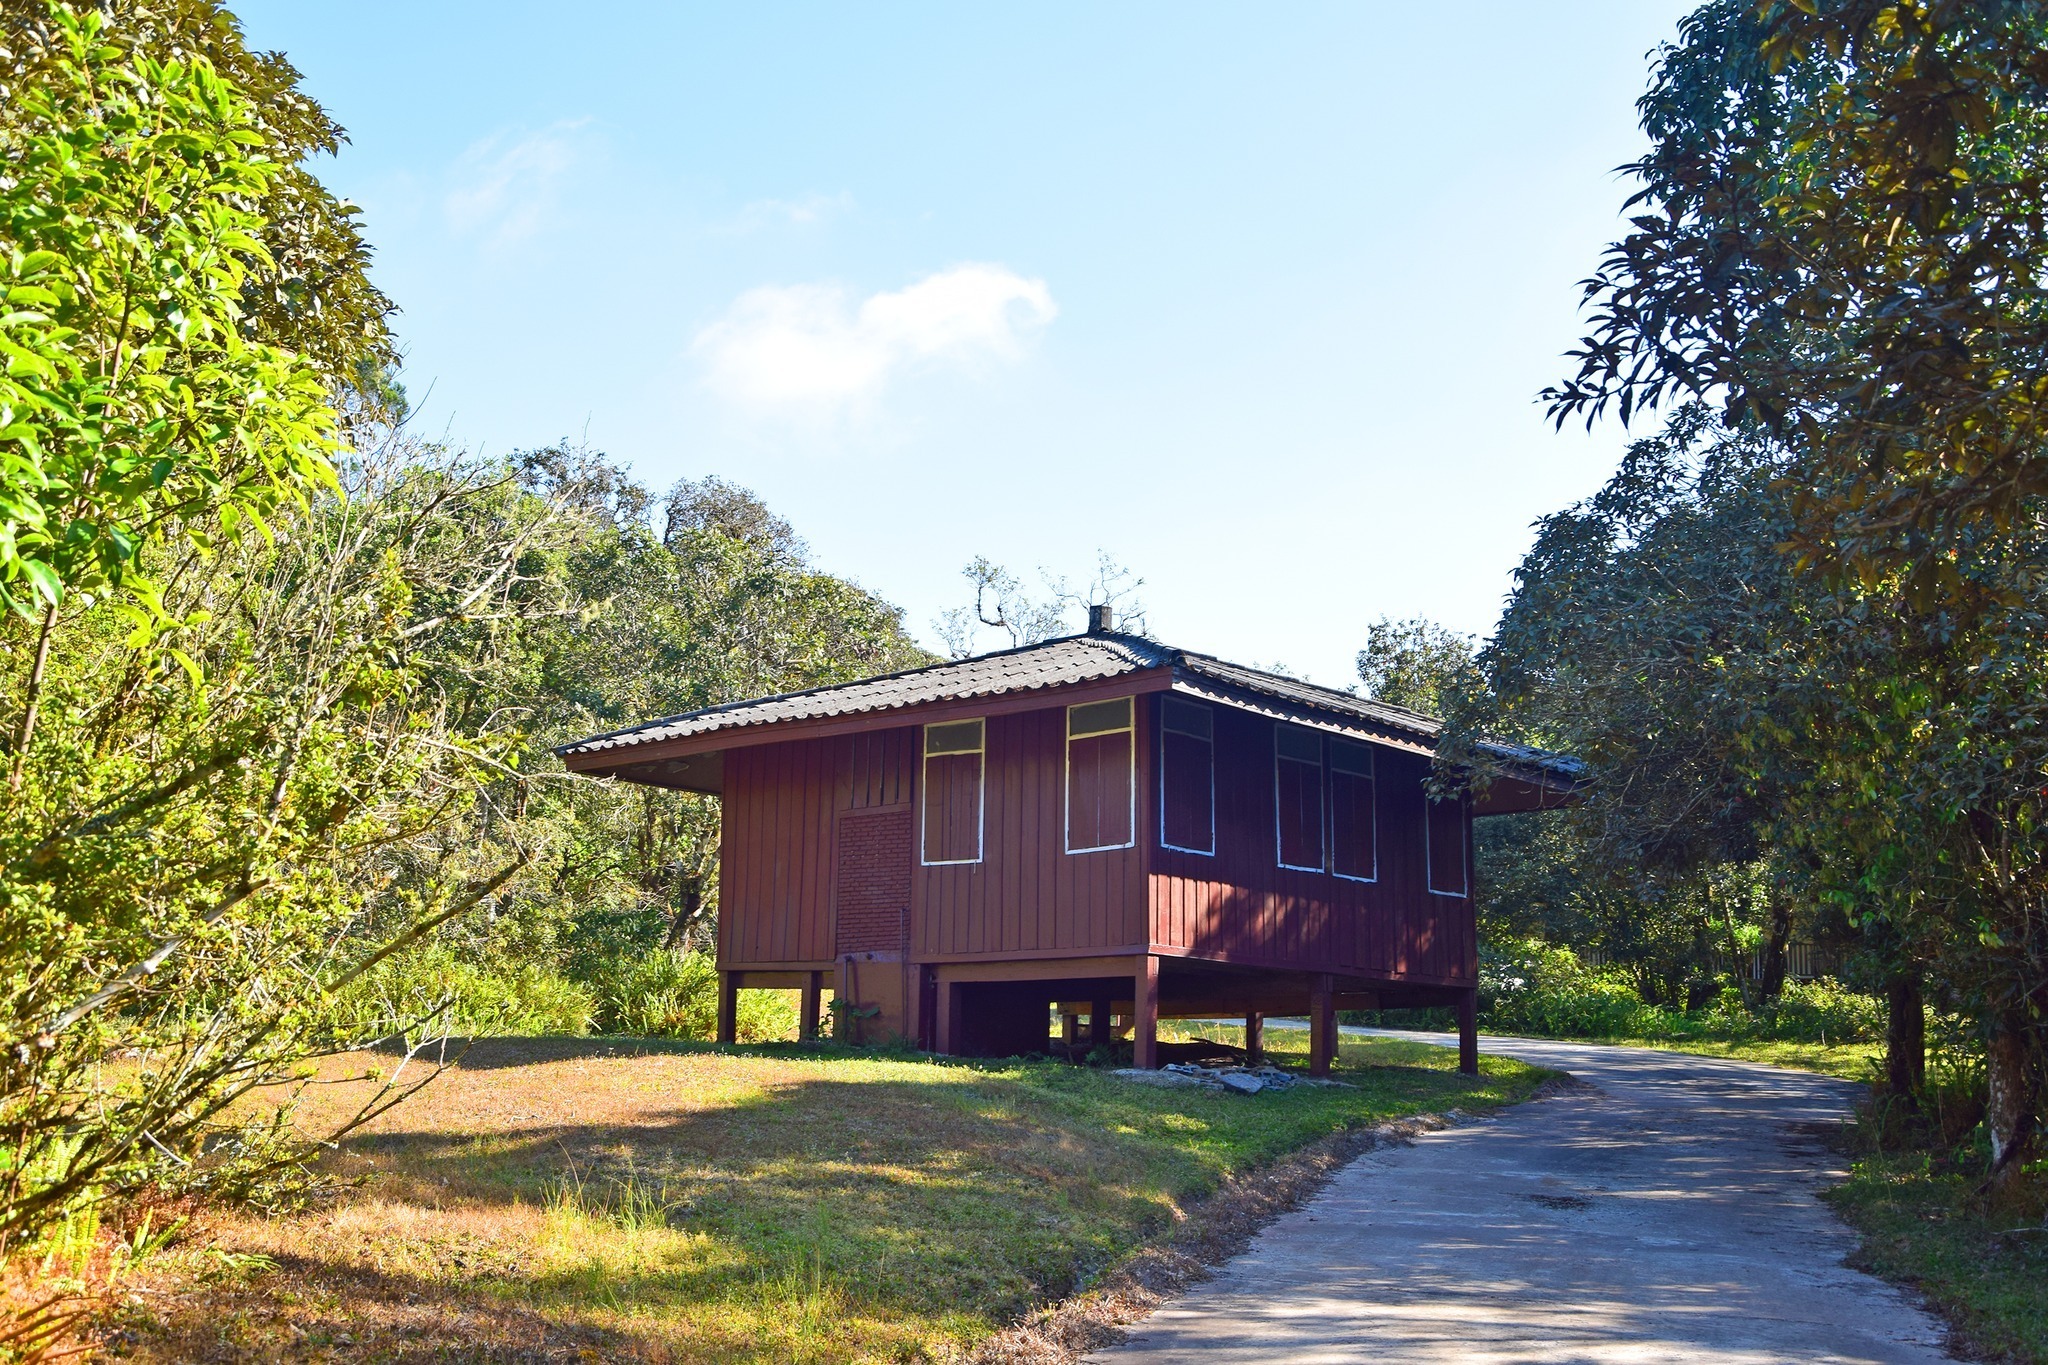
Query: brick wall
872,880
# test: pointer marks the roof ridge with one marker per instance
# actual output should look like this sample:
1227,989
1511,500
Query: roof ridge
1351,699
1097,640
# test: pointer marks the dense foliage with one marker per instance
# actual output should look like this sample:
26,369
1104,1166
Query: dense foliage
1798,637
278,678
1541,988
1838,234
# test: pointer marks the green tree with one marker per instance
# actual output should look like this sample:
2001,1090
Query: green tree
1925,804
1838,238
189,876
1838,231
1764,742
142,395
308,289
701,597
181,864
1632,640
1415,663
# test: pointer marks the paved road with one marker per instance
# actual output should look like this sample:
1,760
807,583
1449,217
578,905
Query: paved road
1670,1216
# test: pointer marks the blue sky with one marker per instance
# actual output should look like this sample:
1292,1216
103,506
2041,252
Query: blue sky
1256,299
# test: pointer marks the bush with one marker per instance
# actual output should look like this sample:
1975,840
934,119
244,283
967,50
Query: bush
671,994
661,993
1825,1009
1534,987
1538,988
525,1000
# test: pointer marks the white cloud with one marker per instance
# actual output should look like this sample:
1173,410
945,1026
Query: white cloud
505,186
809,211
812,346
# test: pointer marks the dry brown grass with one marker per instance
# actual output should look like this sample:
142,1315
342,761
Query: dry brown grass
583,1199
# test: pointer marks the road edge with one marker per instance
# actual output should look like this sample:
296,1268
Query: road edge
1216,1229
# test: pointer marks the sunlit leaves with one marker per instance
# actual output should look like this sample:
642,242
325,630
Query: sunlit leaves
1847,244
132,405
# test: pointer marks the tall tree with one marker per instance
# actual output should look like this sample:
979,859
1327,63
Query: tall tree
1839,238
701,597
1838,231
1415,663
1632,640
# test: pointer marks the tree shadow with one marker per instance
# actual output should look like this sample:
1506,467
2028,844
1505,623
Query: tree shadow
501,1051
904,1207
906,1200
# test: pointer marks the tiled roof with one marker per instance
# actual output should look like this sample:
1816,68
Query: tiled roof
1073,659
1058,663
1230,677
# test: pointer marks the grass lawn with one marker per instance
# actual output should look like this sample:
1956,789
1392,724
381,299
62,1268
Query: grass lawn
1849,1061
1986,1274
667,1201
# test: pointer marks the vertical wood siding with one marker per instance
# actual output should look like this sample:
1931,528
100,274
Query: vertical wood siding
1028,894
1099,782
776,851
1241,906
879,768
801,818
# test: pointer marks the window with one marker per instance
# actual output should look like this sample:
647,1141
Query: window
1298,793
1354,832
952,792
1100,795
1187,776
1444,830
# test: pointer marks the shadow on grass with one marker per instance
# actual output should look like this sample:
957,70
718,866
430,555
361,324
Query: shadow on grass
871,1213
915,1192
310,1308
499,1052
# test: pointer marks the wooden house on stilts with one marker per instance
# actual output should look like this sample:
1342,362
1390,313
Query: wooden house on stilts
1098,826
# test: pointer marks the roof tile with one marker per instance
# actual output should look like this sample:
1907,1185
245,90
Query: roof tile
1057,663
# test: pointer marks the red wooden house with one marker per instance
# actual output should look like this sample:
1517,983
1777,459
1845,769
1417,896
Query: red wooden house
1100,825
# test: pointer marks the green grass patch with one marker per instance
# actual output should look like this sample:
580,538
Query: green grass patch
1985,1272
780,1202
1849,1061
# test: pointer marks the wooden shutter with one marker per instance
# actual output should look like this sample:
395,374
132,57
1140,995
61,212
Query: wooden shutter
1187,776
1354,833
1446,834
1099,776
1298,792
953,771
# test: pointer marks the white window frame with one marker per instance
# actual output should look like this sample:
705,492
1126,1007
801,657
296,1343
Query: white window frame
1165,702
1373,781
1322,797
924,793
1130,729
1429,855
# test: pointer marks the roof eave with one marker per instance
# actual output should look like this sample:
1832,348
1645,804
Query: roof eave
578,758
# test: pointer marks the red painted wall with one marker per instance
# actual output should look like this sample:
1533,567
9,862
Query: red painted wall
776,853
1028,895
821,840
1240,906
